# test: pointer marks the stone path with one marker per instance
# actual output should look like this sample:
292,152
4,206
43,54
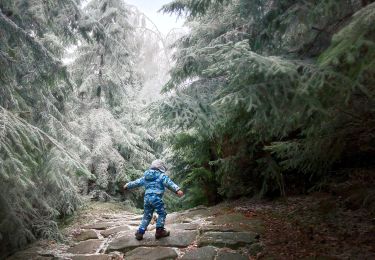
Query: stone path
198,233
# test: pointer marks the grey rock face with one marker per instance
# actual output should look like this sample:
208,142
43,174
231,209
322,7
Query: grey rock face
155,253
227,239
128,242
100,225
85,235
206,252
231,256
86,247
114,230
184,226
91,257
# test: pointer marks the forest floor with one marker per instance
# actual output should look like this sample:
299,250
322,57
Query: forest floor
317,226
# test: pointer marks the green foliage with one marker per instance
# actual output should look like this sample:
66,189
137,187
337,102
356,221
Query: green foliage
190,7
259,85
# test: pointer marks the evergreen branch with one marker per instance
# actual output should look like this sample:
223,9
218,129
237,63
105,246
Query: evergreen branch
31,40
47,136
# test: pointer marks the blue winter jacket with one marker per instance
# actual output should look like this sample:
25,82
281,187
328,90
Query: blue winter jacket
154,182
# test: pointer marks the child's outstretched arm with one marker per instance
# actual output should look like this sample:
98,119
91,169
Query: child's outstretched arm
135,184
172,186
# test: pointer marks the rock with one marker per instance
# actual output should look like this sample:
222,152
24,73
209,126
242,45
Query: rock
86,247
206,252
100,225
23,256
133,223
199,212
47,253
227,239
184,226
128,242
156,253
172,218
187,216
30,253
111,231
231,256
187,220
197,208
217,228
117,255
255,248
109,216
234,217
253,226
118,216
91,257
138,218
86,234
179,226
238,222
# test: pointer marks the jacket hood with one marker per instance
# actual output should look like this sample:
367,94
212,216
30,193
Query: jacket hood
158,164
151,175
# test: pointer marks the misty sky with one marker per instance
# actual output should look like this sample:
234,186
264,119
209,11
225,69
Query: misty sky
164,22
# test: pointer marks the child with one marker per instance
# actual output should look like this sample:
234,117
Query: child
154,181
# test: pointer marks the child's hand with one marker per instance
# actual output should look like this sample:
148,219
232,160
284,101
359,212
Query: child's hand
125,186
180,193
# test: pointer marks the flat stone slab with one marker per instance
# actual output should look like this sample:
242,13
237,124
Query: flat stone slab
118,216
237,222
133,222
230,218
227,239
85,235
36,257
206,252
188,216
172,218
154,253
197,208
178,226
254,226
218,228
128,242
86,247
231,256
91,257
31,253
111,231
100,225
138,217
187,220
184,226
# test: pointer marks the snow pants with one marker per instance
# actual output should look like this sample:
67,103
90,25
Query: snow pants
153,202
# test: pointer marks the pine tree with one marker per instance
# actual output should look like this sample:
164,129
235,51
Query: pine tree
107,112
262,89
36,171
